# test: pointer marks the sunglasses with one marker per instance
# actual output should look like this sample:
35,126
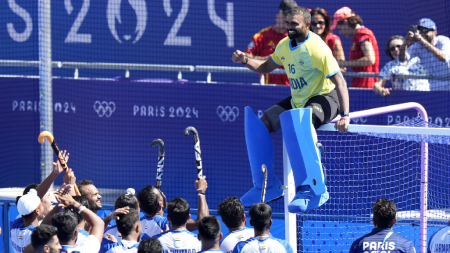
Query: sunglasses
424,29
317,23
394,47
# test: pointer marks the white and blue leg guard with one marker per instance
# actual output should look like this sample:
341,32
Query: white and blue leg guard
300,139
260,151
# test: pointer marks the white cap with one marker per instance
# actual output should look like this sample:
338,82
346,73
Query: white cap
131,191
28,202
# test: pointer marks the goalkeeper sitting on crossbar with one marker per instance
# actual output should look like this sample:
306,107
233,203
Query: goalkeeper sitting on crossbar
317,84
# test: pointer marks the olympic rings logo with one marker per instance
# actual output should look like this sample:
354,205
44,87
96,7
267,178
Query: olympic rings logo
227,113
104,108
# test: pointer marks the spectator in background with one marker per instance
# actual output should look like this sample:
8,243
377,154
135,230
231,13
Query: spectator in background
396,67
440,241
209,234
321,25
264,42
151,245
382,238
44,239
433,51
364,56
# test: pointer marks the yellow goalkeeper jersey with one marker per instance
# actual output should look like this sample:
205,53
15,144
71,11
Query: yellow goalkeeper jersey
308,66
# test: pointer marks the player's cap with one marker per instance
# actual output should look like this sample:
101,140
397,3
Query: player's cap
28,202
341,14
287,5
427,23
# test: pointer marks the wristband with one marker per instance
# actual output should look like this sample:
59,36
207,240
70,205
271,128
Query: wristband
346,117
201,192
344,113
81,209
245,60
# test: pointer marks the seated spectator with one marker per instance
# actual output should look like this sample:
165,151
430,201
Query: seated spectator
261,220
321,25
123,204
432,50
440,241
151,245
209,234
396,67
364,56
88,190
32,211
264,42
44,239
382,238
178,239
232,213
129,227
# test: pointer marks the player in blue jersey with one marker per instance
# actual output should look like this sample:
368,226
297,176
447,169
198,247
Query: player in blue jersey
209,234
44,239
129,227
440,241
232,213
151,245
153,202
178,239
123,204
31,210
261,220
382,239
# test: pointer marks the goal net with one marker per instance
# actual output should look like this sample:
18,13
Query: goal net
383,162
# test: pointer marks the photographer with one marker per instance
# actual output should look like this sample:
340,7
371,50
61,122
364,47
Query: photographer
434,51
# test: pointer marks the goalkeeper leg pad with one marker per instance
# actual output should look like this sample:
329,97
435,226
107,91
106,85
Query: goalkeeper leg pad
260,151
300,139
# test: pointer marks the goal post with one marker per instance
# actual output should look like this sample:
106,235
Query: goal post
408,141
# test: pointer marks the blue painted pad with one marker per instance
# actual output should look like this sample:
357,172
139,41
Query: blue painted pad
260,151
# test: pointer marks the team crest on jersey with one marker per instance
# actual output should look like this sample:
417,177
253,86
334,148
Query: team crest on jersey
145,227
263,247
177,242
241,237
63,251
301,62
271,44
251,45
120,235
282,58
20,237
353,46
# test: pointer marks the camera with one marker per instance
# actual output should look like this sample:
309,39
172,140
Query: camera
413,28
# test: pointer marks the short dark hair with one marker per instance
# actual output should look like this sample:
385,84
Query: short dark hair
84,202
149,200
231,211
395,37
151,245
326,17
384,211
178,211
209,228
126,200
261,214
66,222
352,21
126,222
83,183
302,11
42,235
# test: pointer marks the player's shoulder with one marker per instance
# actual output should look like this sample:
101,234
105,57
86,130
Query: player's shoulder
162,235
282,242
400,238
83,232
17,223
249,241
263,32
282,45
110,246
333,37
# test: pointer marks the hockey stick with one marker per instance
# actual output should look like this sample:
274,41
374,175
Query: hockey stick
161,154
198,152
263,192
51,140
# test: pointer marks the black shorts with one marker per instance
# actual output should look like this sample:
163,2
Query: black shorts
324,108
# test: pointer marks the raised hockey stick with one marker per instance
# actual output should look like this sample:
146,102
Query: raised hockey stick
263,192
198,152
161,154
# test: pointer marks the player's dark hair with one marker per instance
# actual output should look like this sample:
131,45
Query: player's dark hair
42,235
84,202
83,183
231,211
260,215
326,18
302,11
395,37
151,245
209,228
26,190
127,222
66,222
178,211
126,200
149,200
384,212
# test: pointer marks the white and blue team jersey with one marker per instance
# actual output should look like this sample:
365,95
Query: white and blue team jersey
154,225
113,231
211,251
120,247
20,237
229,242
382,240
82,236
179,241
267,245
89,245
440,241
